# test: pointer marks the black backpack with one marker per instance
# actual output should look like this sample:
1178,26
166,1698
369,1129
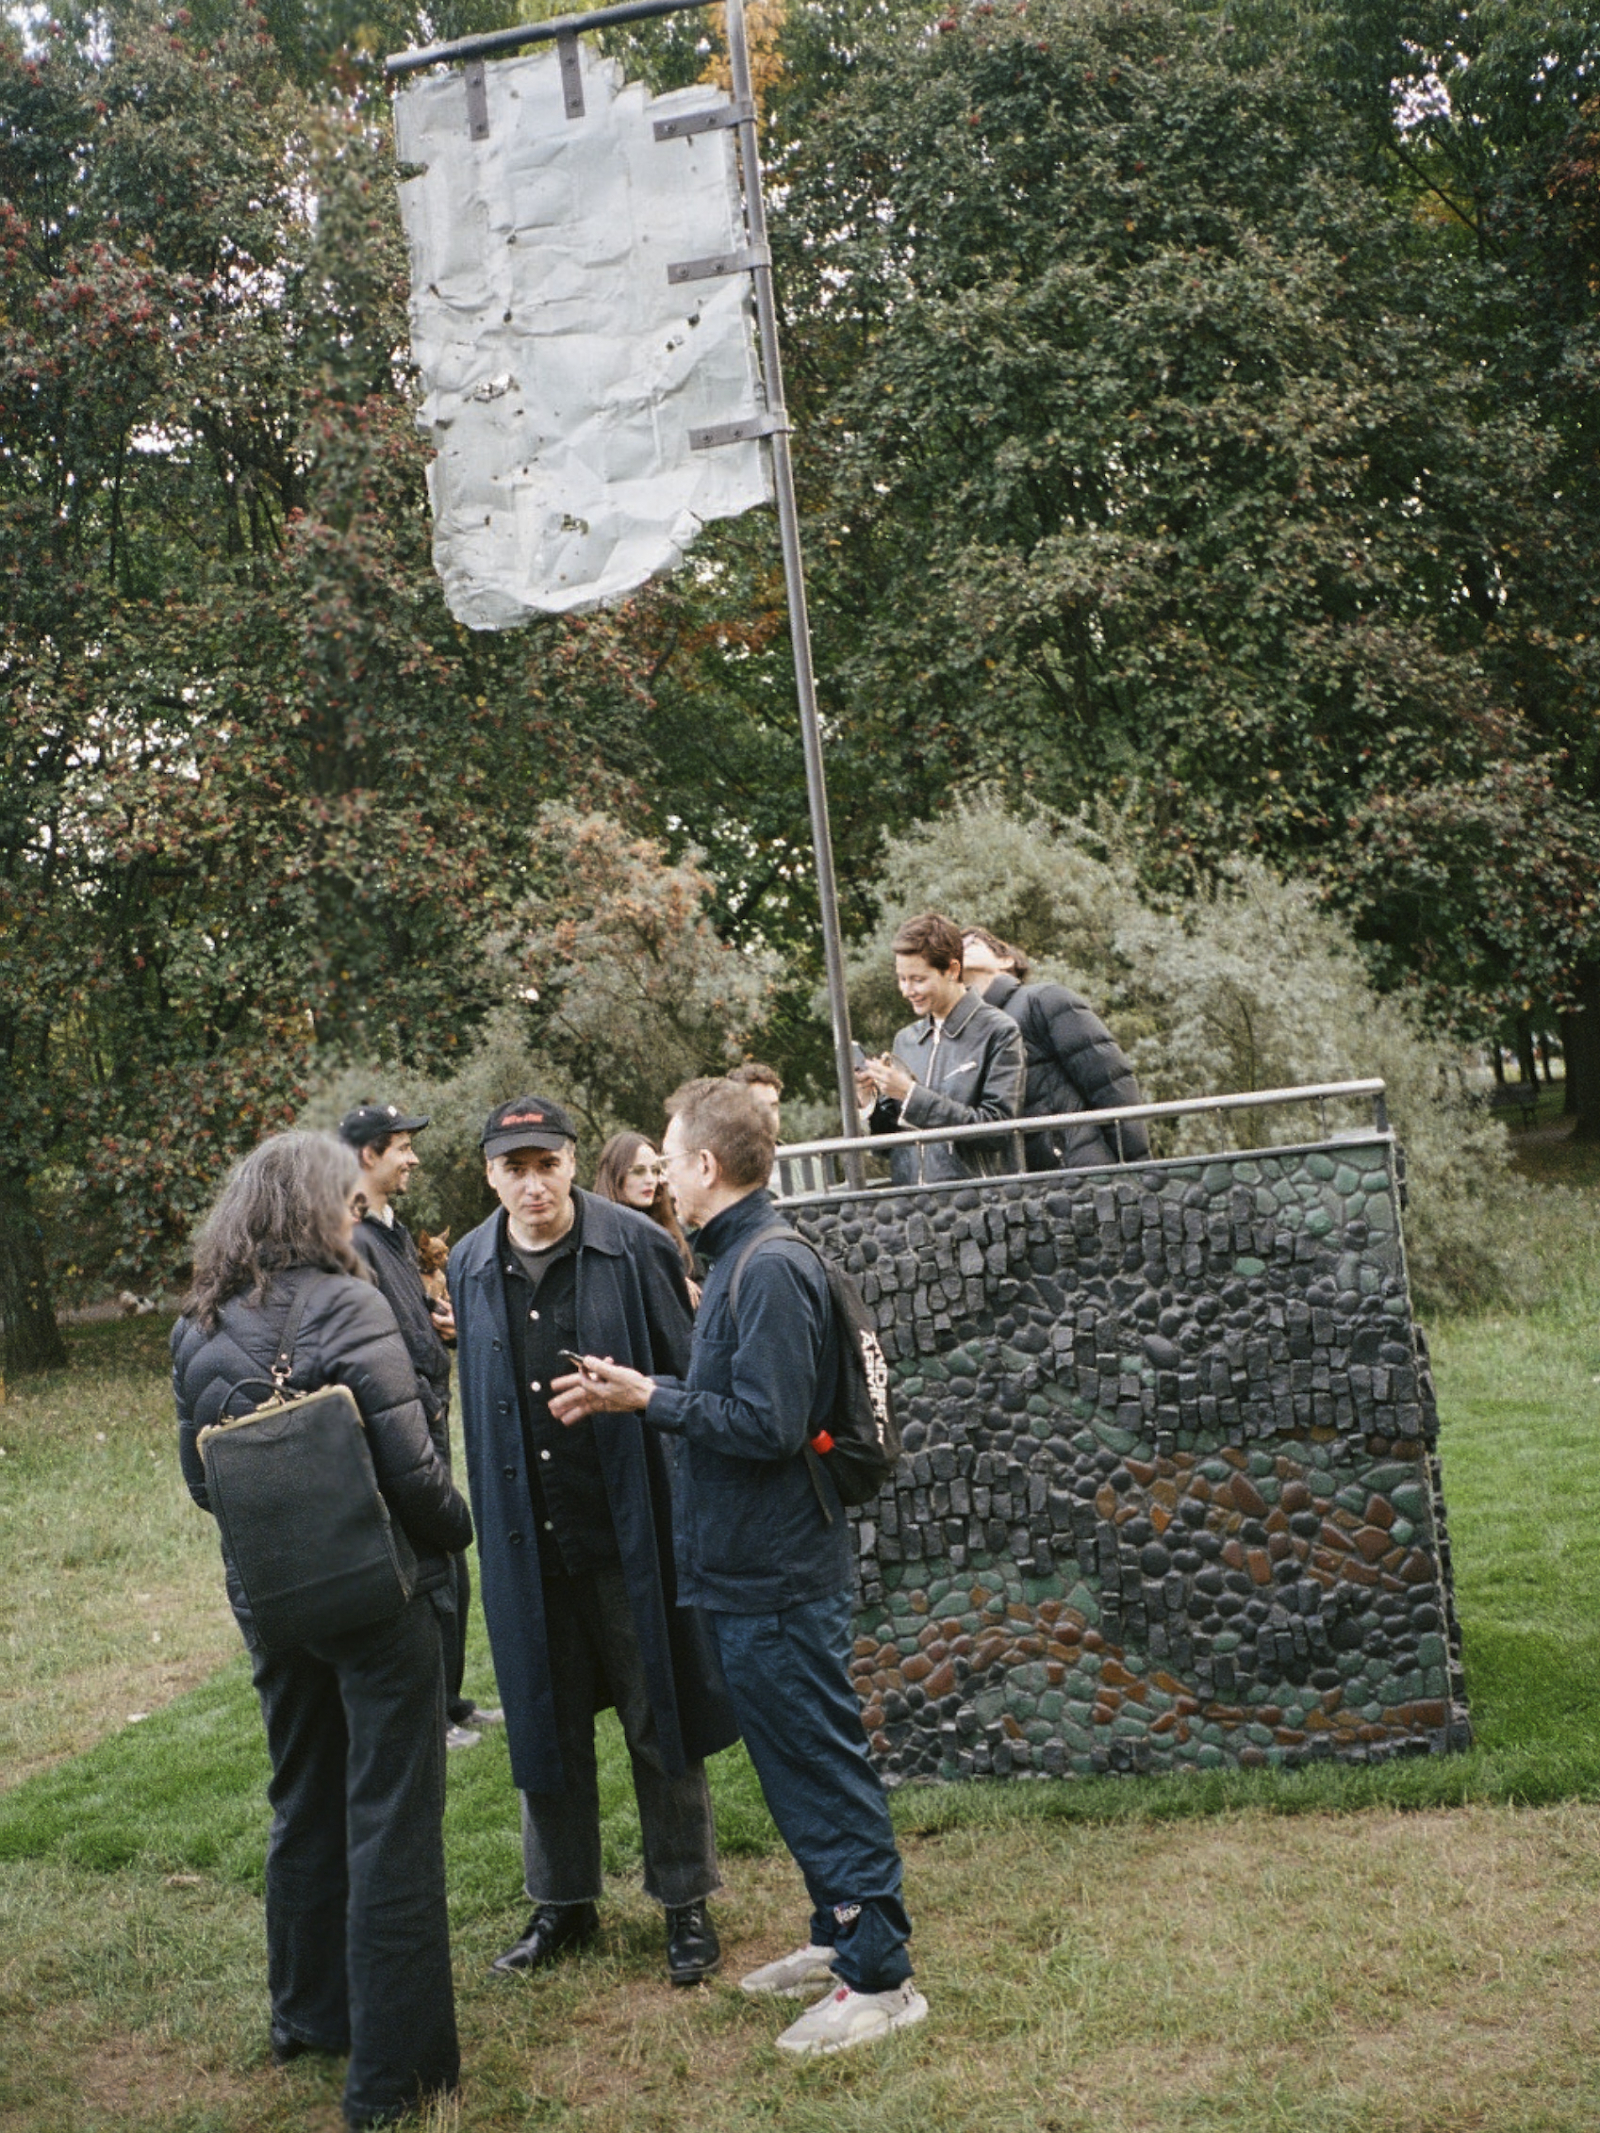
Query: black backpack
859,1444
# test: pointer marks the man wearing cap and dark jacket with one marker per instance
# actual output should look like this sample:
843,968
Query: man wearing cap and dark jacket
381,1134
575,1540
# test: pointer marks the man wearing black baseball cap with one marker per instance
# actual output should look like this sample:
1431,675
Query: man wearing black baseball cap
574,1540
381,1134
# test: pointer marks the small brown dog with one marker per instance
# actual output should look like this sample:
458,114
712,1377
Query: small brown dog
433,1253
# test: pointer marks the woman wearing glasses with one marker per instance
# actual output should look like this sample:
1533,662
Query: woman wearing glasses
631,1172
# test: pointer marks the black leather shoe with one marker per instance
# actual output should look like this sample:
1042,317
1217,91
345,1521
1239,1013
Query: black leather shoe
287,2048
551,1931
693,1949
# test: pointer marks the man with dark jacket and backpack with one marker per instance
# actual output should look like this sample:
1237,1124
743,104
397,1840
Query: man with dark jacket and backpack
1073,1061
381,1134
763,1550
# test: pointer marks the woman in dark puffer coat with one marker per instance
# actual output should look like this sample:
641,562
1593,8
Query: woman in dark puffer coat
358,1949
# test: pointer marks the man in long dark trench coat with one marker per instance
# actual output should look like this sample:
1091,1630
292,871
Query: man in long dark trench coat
575,1540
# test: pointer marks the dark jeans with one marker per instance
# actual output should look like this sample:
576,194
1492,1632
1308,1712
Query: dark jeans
358,1937
801,1721
594,1660
457,1708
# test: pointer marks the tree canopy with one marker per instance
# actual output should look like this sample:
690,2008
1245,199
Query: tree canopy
1196,411
261,793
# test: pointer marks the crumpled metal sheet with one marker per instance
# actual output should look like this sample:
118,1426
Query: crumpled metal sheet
562,371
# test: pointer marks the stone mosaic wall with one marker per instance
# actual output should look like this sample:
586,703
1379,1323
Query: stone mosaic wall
1171,1495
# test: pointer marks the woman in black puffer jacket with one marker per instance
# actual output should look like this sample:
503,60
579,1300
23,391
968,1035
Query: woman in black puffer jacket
358,1949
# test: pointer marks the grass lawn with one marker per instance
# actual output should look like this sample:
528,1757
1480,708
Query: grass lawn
1414,1949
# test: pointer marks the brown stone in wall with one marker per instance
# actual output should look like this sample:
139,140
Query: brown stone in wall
1247,1497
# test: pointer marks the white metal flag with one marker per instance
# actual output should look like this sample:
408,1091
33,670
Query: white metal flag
562,371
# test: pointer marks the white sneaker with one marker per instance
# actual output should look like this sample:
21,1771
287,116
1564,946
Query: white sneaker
846,2018
800,1976
461,1737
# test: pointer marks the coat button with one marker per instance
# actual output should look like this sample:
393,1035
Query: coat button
548,1526
505,1407
533,1314
544,1455
511,1473
514,1540
495,1345
535,1386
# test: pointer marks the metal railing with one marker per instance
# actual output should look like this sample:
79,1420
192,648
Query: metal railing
810,1169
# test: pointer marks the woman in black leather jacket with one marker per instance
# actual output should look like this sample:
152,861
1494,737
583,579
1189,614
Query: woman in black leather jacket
358,1949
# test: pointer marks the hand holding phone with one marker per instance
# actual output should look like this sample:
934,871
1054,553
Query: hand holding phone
599,1386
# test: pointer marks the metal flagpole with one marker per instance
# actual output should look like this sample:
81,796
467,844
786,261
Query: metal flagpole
773,422
793,570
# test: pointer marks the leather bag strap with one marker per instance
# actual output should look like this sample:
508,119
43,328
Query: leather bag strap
283,1362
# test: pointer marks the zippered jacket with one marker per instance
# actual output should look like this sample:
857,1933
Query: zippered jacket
974,1072
752,1536
1073,1064
348,1336
391,1251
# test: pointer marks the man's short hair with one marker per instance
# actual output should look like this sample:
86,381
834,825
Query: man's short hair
754,1074
934,937
1001,950
725,1118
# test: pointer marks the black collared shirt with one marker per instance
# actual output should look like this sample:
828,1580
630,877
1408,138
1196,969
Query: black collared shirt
571,1509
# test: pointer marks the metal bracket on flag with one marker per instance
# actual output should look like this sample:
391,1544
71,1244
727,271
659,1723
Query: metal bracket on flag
719,264
571,73
477,102
768,423
679,129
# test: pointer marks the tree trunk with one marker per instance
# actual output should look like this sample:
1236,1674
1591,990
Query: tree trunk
32,1338
1569,1102
1580,1039
1526,1064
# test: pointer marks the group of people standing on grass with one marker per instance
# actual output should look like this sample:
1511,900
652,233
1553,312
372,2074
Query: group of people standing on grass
641,1369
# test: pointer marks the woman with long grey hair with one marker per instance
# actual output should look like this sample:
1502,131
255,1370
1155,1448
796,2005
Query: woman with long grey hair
358,1949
